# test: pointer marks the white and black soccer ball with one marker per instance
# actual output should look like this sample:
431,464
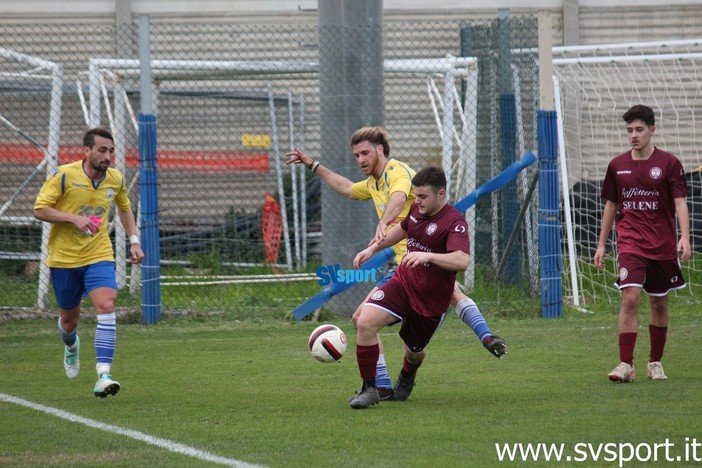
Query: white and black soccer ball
327,343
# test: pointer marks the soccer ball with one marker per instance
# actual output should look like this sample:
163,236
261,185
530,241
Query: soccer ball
327,343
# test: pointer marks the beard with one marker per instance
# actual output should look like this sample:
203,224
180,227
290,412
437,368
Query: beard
101,166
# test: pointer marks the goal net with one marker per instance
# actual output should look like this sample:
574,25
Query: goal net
596,85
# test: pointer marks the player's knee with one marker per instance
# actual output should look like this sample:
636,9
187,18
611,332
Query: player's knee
659,307
356,315
69,319
630,304
365,326
457,295
104,305
354,320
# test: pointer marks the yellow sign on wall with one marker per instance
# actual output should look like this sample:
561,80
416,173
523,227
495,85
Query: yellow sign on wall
250,140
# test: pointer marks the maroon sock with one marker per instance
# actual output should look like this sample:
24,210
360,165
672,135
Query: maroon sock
658,336
627,341
367,357
409,368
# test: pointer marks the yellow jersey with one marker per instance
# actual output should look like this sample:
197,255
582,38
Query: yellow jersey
71,190
397,177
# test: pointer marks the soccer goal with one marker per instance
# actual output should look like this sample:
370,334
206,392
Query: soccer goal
596,85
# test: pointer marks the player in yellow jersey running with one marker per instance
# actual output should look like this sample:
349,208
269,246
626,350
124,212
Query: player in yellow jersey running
389,185
76,201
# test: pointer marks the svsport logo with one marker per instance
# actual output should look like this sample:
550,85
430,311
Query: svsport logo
335,274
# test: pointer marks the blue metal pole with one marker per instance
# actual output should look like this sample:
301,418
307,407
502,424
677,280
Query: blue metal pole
148,192
549,216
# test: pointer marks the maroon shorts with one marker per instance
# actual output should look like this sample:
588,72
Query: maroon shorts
416,330
656,277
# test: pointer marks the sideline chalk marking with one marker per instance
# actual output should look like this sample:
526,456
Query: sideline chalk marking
157,441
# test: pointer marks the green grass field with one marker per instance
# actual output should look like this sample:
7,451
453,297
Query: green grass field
250,391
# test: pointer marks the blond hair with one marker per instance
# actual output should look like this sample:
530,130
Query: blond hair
374,135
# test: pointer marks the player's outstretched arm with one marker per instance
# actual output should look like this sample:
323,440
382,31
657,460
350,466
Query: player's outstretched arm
336,181
298,157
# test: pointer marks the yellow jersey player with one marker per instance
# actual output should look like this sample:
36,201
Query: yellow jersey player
76,201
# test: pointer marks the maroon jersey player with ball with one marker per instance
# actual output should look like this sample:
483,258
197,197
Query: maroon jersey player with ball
419,293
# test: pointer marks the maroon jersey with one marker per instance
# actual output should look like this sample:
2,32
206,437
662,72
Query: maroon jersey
644,192
428,286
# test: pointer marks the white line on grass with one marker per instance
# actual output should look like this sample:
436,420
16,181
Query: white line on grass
163,443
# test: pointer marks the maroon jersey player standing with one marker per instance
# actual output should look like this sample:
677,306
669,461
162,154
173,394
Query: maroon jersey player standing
420,292
644,189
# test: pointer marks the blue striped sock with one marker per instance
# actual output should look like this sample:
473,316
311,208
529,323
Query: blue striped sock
470,314
382,378
69,339
105,338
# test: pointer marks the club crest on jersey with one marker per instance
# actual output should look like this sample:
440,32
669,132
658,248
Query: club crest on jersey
623,273
110,194
431,229
655,173
378,295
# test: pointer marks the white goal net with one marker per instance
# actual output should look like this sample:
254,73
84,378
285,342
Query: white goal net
597,84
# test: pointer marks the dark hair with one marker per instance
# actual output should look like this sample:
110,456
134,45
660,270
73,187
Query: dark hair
432,176
89,137
642,113
374,135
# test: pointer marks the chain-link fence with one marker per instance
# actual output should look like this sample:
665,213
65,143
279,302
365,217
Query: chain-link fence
240,231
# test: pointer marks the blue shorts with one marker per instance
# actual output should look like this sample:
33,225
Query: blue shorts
72,284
